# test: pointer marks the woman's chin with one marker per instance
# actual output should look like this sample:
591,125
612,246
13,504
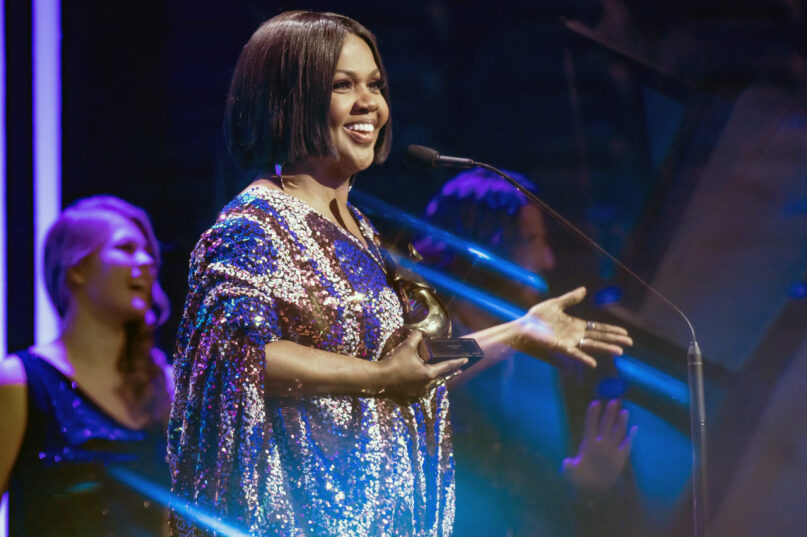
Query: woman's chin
140,310
150,318
357,161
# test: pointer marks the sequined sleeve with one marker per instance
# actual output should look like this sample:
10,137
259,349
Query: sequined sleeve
229,316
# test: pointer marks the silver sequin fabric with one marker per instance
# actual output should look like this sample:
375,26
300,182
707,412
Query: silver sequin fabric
272,268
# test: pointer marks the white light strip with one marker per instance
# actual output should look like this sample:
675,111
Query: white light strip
47,120
3,174
3,241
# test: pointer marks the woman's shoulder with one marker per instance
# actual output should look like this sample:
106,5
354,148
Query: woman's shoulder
256,214
251,231
12,372
251,211
35,367
259,198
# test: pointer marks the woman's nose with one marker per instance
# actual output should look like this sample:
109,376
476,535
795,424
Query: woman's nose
144,258
366,99
144,262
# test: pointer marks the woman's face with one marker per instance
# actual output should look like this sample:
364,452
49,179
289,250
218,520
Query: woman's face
358,108
533,251
117,279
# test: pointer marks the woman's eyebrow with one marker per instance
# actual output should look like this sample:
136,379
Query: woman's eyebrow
353,73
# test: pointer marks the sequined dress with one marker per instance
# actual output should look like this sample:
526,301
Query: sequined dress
272,268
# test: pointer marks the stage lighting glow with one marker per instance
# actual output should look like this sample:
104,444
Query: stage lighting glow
3,270
798,290
608,295
661,459
493,305
642,374
162,496
47,119
380,209
3,258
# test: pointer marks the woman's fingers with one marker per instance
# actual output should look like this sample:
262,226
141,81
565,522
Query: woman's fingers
571,298
604,337
592,419
442,369
591,345
605,327
628,441
579,355
414,340
601,337
621,425
609,337
609,418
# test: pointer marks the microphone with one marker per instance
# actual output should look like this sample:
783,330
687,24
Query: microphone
424,157
419,156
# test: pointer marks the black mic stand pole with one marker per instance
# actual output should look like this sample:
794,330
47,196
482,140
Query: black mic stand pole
697,400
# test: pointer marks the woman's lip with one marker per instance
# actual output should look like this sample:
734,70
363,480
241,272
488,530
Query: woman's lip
139,287
360,136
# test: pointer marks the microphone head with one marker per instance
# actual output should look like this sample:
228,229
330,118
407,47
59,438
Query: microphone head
418,156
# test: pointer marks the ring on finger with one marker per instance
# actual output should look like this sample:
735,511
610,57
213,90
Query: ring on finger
580,343
591,325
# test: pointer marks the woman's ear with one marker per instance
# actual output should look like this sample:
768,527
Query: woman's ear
76,275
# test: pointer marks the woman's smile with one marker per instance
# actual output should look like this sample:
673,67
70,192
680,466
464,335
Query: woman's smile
362,132
358,109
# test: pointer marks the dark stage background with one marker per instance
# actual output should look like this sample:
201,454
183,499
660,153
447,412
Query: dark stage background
674,133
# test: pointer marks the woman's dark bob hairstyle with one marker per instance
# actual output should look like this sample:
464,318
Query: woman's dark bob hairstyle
280,94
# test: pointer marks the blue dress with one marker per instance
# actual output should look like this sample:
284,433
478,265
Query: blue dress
65,481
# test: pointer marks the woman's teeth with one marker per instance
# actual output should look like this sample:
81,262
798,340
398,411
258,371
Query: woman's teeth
361,127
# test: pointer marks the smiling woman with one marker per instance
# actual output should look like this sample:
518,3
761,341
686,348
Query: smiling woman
291,418
97,397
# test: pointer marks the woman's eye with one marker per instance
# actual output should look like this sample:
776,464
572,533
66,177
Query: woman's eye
128,247
341,85
376,85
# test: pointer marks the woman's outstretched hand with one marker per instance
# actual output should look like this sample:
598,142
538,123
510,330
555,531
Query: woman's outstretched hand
406,372
547,326
604,449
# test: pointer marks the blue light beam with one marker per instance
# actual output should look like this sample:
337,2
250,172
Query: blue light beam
380,209
490,303
636,372
164,497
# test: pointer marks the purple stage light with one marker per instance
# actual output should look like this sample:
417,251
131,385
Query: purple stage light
47,120
798,290
3,258
608,295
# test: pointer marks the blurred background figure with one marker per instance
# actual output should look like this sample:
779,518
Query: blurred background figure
92,405
511,422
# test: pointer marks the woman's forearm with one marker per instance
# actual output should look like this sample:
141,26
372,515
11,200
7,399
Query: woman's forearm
496,343
293,370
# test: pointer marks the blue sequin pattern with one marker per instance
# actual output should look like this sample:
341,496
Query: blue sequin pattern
272,268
